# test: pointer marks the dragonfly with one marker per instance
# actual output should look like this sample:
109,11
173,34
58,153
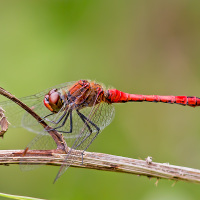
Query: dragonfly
79,111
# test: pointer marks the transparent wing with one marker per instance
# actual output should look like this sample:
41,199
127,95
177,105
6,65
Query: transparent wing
20,118
86,123
82,136
15,113
101,115
41,142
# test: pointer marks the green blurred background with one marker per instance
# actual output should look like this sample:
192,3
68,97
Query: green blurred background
146,47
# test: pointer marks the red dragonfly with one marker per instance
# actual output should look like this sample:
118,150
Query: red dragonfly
79,110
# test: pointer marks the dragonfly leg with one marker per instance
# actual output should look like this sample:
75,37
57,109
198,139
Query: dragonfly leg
87,121
69,114
43,118
89,128
60,119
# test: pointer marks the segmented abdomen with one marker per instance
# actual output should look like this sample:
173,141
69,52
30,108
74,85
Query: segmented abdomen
116,96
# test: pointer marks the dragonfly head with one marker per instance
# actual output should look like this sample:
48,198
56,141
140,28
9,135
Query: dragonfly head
53,101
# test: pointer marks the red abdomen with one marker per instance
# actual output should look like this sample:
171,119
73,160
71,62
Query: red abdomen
116,96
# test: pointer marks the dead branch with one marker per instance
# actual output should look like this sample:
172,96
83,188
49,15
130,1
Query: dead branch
103,162
90,160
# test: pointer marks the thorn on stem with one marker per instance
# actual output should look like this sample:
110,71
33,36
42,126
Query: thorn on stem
25,151
149,160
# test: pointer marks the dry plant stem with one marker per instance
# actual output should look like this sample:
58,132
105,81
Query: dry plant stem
97,161
60,142
103,162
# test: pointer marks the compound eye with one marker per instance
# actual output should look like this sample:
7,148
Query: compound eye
46,102
53,101
54,97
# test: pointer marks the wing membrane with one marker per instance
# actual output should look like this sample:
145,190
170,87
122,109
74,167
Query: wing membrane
86,123
18,117
101,115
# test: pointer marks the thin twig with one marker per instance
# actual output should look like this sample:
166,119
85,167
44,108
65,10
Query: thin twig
103,162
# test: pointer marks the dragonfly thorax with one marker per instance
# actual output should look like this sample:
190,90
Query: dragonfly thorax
53,101
80,95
